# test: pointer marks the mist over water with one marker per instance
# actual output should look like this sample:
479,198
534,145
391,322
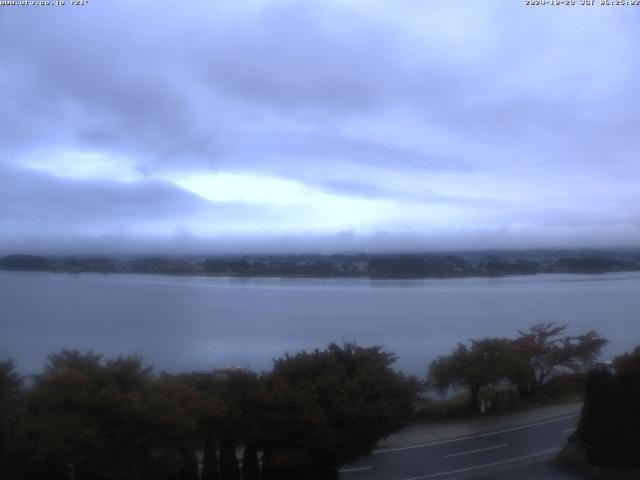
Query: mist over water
186,323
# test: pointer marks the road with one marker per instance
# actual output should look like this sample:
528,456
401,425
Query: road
507,453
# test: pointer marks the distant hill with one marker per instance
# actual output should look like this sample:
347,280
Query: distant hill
594,264
24,262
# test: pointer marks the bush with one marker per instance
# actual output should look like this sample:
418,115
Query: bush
564,386
431,409
573,456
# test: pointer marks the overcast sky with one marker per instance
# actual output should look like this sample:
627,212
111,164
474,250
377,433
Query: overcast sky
318,125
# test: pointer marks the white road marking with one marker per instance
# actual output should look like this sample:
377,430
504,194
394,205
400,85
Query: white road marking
569,430
470,437
355,469
477,467
478,450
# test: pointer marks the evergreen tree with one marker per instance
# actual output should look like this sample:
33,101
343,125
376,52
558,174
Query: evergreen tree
229,469
594,424
250,465
210,458
10,385
610,420
189,467
267,470
627,413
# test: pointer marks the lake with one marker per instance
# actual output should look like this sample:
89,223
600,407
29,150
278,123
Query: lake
186,323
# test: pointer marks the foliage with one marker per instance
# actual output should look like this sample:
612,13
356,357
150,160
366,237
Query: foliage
95,418
210,458
628,364
229,469
250,464
10,382
188,468
228,401
546,351
326,408
108,419
529,361
429,409
485,362
610,419
563,386
10,386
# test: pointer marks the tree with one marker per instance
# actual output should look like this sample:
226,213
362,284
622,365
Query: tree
546,351
189,468
111,418
250,464
326,408
610,419
63,412
627,365
268,471
484,362
210,458
10,386
10,382
229,468
228,400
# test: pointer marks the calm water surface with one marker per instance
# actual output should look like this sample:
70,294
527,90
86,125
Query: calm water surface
184,323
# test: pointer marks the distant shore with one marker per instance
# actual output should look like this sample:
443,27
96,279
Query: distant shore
372,266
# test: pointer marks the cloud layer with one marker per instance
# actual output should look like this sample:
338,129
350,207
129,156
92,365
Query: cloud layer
318,125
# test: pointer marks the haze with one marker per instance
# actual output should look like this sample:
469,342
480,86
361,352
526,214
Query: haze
319,125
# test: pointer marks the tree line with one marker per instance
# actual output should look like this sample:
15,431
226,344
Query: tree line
526,362
378,266
89,417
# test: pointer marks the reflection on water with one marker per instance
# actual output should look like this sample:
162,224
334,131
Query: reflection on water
193,323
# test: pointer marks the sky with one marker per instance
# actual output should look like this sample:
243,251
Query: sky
325,126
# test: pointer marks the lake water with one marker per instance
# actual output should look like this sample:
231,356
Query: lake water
185,323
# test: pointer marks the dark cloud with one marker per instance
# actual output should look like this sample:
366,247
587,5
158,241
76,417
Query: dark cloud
46,207
515,119
22,189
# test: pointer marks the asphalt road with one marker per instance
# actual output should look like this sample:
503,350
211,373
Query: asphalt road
520,453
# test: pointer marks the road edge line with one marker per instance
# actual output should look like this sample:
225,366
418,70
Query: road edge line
486,465
477,435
